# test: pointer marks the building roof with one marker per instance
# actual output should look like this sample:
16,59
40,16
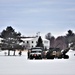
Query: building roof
33,39
27,39
45,39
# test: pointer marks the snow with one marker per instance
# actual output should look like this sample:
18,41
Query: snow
20,65
27,39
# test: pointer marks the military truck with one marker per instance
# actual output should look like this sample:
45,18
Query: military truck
35,53
57,53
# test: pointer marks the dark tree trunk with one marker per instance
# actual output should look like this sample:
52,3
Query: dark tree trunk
8,52
14,53
20,53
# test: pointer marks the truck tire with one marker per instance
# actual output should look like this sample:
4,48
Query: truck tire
31,57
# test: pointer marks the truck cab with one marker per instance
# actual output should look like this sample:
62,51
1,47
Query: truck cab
35,53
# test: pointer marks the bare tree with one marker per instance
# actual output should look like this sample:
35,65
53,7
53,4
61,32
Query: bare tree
48,36
51,38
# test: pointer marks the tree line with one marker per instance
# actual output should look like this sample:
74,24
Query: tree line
62,42
11,40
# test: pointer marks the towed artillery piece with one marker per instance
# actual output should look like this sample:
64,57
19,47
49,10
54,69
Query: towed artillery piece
57,53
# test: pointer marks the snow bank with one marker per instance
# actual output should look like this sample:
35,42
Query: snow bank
20,65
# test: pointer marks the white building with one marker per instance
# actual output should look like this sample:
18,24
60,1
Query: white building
31,42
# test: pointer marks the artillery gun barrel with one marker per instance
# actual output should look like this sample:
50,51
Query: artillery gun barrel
65,51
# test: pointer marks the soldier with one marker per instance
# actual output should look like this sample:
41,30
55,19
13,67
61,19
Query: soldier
28,54
5,53
20,53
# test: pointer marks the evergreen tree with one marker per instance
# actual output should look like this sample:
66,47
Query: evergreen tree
70,33
70,37
40,42
11,40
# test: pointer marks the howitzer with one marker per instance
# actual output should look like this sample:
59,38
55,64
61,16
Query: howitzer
52,53
65,51
57,53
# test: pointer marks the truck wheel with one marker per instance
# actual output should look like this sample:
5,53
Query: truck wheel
40,58
36,58
31,57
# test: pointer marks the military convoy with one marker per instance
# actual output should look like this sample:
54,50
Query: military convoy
39,53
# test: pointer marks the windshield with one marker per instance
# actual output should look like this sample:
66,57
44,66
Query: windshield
36,50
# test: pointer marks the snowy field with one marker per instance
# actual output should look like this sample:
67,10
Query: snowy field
20,65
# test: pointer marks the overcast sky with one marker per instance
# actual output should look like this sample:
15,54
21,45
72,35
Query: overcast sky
31,16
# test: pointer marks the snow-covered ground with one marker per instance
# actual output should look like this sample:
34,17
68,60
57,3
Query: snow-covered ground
20,65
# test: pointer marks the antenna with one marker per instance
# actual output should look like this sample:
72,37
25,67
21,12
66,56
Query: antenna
38,34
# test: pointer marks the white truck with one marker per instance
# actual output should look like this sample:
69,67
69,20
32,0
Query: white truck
35,53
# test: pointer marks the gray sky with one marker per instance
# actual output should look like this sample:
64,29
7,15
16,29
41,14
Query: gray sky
31,16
